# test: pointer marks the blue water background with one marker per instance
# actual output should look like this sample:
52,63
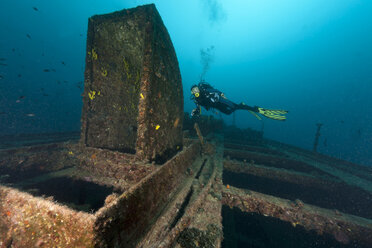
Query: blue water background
313,58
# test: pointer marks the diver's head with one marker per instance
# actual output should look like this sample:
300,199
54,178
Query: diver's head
195,91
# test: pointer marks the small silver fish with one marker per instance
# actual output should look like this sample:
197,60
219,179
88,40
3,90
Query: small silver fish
30,115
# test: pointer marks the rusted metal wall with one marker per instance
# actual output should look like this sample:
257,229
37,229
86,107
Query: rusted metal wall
124,222
133,99
27,221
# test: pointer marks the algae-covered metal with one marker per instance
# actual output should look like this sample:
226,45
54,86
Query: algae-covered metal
133,99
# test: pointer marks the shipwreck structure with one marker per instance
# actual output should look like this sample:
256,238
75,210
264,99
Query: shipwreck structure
141,174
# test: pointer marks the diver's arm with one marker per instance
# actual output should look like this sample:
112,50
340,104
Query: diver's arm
214,95
196,111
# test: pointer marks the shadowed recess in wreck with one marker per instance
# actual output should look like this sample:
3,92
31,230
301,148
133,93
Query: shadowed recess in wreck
243,230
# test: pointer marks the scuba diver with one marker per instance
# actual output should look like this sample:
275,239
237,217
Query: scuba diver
205,95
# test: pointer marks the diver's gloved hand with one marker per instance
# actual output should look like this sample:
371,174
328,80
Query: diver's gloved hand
274,114
195,112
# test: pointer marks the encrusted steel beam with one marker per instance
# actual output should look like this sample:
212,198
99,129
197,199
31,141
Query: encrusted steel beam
273,161
345,228
194,217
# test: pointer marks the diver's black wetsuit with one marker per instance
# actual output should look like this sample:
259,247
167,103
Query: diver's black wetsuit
210,97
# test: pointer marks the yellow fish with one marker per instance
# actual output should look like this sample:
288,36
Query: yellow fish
175,124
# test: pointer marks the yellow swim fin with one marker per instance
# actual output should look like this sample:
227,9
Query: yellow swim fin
274,114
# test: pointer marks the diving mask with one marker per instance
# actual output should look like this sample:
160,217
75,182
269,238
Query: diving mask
195,91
